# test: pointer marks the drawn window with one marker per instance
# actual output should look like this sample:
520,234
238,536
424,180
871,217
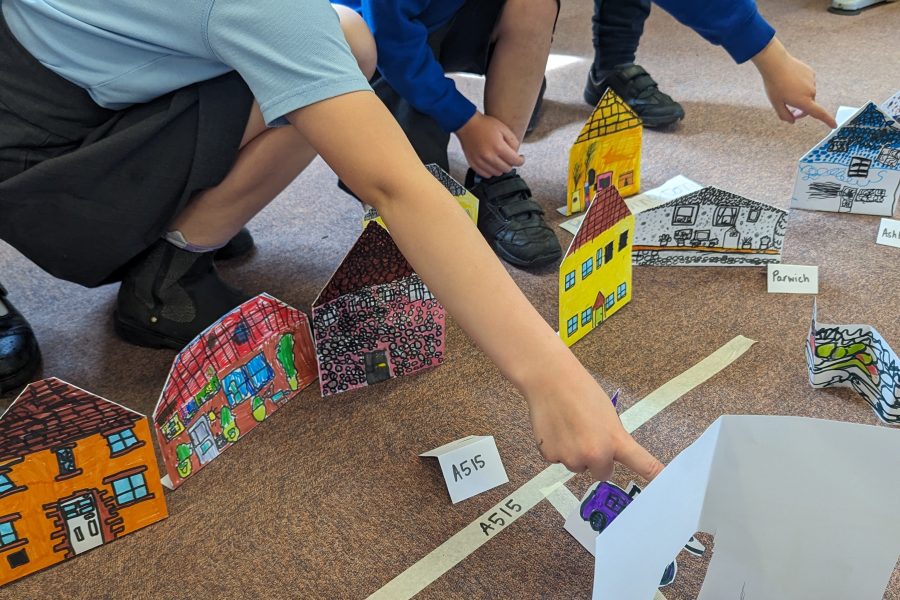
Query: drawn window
623,240
685,214
428,294
839,145
608,252
570,280
328,318
241,333
367,301
621,290
610,300
65,458
121,440
753,215
859,167
172,427
388,294
726,216
259,373
237,388
586,316
417,291
189,409
130,488
572,325
8,533
599,257
6,483
587,267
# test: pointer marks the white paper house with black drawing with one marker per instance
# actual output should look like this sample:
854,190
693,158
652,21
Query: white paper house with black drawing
709,227
855,169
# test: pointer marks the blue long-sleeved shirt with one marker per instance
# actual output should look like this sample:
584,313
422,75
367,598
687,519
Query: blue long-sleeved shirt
401,29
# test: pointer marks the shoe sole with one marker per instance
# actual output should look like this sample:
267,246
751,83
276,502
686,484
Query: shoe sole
19,379
139,336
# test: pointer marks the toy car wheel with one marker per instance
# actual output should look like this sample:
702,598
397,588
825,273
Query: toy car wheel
598,521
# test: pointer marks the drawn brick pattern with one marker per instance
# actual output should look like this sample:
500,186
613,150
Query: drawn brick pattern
51,412
381,317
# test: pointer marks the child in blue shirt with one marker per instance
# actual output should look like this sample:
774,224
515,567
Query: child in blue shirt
137,137
508,41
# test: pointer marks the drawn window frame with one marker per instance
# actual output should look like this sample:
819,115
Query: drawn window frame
572,325
9,535
587,267
133,488
623,240
726,216
122,441
608,252
66,471
569,280
610,301
690,219
754,214
587,315
622,290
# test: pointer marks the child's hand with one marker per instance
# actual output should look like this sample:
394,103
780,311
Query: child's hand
790,84
491,148
575,424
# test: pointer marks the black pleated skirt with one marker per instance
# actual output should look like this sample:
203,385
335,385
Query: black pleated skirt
84,190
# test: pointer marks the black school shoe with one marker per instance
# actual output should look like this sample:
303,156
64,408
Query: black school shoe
20,356
635,86
512,222
170,296
240,245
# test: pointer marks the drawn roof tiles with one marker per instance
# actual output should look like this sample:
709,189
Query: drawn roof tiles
373,260
606,209
51,413
611,115
713,195
865,135
241,331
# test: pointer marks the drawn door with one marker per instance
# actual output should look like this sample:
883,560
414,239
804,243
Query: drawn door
377,368
203,442
732,238
82,523
847,196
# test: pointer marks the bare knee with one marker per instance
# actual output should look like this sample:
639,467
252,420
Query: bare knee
360,39
528,17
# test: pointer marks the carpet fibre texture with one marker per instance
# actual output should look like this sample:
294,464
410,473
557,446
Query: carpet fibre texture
328,499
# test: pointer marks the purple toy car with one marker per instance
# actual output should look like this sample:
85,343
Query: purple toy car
605,503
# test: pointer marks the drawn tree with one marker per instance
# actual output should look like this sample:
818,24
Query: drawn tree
577,174
780,230
286,358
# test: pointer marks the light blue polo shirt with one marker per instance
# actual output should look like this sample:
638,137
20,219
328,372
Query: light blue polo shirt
291,53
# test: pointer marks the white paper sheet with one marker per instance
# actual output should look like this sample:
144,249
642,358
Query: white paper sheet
800,508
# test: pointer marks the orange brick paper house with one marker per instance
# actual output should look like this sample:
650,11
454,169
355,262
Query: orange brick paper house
76,471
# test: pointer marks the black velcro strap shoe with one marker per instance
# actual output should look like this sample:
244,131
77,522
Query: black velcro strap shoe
20,356
170,296
635,86
512,222
240,245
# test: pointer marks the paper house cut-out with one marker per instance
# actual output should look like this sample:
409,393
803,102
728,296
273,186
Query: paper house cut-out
709,227
800,508
608,149
466,199
375,319
76,471
855,356
595,274
855,169
891,106
240,370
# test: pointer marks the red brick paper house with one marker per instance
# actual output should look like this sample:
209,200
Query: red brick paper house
235,374
375,319
76,472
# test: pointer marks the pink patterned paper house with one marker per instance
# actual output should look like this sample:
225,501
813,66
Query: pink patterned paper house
375,319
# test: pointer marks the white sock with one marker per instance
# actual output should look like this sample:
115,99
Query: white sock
177,239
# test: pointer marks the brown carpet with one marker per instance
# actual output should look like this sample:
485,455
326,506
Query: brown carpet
329,500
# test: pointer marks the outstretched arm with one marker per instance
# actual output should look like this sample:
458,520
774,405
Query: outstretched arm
573,419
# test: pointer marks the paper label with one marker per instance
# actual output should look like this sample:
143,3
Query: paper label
889,233
471,465
793,279
580,529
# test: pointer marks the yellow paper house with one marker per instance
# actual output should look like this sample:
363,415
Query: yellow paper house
609,145
595,275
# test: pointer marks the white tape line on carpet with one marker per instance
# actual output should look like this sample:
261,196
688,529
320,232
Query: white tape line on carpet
549,483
